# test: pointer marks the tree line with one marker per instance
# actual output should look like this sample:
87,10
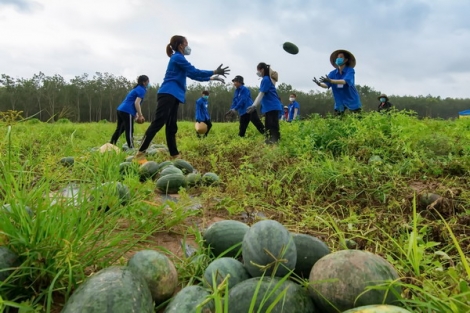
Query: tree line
94,98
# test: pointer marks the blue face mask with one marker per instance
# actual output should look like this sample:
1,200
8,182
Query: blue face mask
205,97
339,61
382,99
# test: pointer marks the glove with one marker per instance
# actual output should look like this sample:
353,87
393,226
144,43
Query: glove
251,109
217,78
230,113
222,71
325,79
315,80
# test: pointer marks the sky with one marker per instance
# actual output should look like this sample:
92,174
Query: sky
402,47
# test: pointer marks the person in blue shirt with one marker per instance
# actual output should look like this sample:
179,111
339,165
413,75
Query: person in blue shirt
294,108
240,102
202,114
270,103
129,110
172,92
342,82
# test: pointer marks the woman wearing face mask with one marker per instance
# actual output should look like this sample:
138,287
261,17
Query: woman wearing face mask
342,82
130,109
172,92
270,103
293,107
202,114
384,104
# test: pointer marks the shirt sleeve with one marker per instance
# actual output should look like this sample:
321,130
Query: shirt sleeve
191,71
349,77
141,92
265,84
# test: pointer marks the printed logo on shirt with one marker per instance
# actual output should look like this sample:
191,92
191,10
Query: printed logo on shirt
340,85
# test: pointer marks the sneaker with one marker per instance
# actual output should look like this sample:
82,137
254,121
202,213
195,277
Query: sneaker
178,156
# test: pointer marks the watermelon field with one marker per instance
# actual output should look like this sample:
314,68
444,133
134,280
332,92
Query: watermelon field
343,213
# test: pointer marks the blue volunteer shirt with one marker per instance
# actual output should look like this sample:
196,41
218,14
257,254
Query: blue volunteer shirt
346,96
128,105
270,101
178,69
241,100
202,114
292,106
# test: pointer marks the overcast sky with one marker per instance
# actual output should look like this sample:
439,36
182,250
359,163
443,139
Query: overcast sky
402,47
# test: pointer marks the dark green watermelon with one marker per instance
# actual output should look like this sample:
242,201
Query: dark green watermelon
193,179
339,281
8,208
183,165
210,179
222,267
67,161
310,249
267,245
224,235
171,169
291,48
295,300
171,183
188,299
148,170
115,289
8,259
158,271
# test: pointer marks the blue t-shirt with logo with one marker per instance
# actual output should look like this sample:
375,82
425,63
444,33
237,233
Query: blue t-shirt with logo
128,105
270,101
292,106
202,114
241,100
346,96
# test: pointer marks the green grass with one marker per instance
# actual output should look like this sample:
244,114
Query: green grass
318,180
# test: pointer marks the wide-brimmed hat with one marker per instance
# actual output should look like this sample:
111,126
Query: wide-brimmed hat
238,79
352,59
382,96
286,107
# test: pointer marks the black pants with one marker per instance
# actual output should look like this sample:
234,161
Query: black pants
209,126
166,114
246,118
125,123
272,127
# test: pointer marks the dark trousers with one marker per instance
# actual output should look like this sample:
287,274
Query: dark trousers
125,123
209,126
246,118
272,127
166,114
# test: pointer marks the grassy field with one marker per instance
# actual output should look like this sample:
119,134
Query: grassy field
391,184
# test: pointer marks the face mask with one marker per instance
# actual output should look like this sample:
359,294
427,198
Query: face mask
382,99
148,85
258,73
291,99
339,61
205,97
187,50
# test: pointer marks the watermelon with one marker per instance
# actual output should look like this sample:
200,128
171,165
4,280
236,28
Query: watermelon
114,289
224,235
183,165
291,48
222,267
170,169
67,161
309,250
112,190
158,271
264,243
164,164
378,308
125,146
375,159
129,158
148,170
210,179
9,208
127,168
341,278
8,259
158,146
295,300
194,179
171,183
188,299
151,151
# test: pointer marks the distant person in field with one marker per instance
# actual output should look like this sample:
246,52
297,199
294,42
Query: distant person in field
342,82
129,110
384,104
240,102
202,114
285,114
270,103
172,92
294,108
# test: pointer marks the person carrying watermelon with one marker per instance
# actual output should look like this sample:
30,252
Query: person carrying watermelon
342,82
202,114
240,102
129,110
172,92
270,103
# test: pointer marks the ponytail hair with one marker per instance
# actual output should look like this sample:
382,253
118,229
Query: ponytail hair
141,80
175,42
